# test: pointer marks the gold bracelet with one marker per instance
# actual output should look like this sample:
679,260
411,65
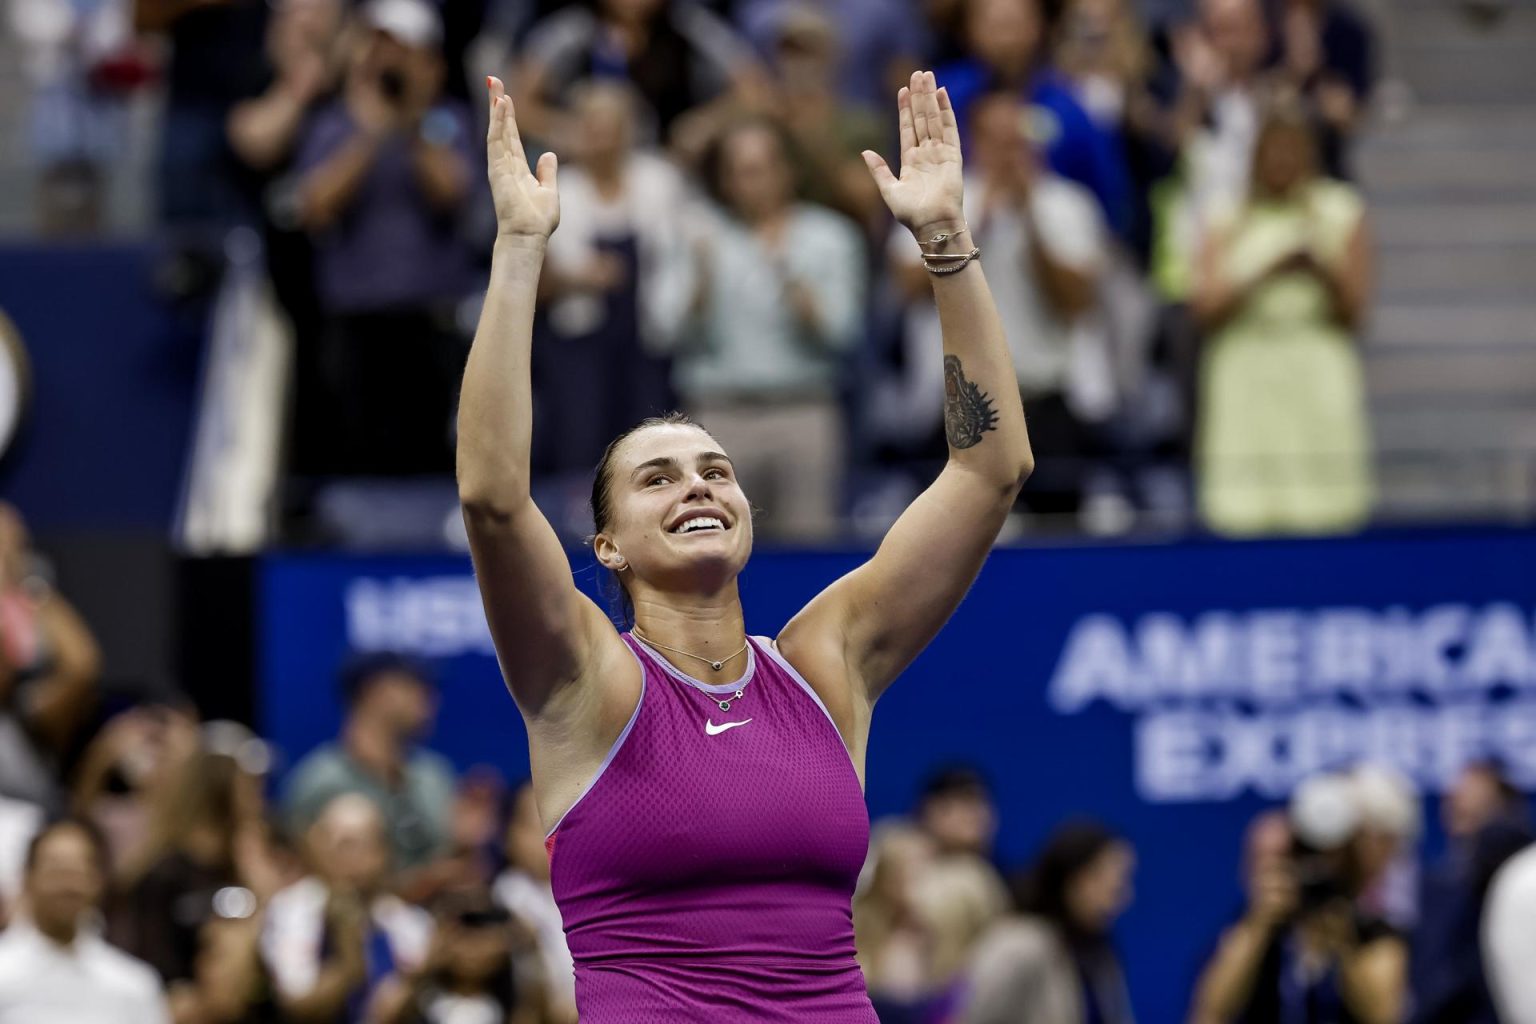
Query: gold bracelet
944,236
952,267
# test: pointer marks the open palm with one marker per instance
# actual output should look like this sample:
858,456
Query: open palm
927,196
527,202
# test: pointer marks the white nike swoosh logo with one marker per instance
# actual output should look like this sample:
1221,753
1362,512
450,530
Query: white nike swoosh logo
711,729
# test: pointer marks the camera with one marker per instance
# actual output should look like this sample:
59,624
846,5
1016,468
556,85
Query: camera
392,84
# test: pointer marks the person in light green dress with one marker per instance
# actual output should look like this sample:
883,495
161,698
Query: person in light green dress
1283,440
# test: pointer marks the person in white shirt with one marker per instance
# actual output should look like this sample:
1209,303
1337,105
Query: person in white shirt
1509,938
1046,245
54,967
330,938
524,889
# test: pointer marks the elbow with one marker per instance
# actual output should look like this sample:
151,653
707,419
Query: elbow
1022,470
488,504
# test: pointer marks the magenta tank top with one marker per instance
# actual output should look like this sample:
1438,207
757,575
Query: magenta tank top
706,872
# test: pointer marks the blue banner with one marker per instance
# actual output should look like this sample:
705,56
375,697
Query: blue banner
1171,689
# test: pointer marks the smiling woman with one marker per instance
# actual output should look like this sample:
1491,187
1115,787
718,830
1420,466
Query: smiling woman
706,831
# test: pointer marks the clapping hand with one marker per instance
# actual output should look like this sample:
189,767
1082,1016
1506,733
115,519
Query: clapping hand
527,203
927,197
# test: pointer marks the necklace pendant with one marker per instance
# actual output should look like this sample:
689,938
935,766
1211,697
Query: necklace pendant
717,665
725,705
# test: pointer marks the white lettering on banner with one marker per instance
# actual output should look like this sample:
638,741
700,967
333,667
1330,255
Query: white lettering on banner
1232,702
435,617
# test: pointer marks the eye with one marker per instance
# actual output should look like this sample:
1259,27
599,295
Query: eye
714,474
658,479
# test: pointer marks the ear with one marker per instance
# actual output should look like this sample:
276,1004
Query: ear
607,553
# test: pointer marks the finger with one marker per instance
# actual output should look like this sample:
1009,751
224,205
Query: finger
548,169
918,102
879,170
494,135
904,109
514,140
951,125
928,107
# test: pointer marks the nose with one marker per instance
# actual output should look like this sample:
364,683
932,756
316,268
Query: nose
698,488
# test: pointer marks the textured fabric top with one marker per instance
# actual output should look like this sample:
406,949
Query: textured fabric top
706,872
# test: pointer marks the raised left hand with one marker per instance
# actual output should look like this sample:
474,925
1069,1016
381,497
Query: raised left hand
928,195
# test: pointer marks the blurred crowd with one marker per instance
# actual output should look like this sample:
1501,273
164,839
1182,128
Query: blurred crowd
1161,196
156,867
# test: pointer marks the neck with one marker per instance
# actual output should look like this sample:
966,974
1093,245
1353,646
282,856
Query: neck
62,932
607,174
710,626
374,747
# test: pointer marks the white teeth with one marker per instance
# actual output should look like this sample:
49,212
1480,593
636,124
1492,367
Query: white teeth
701,523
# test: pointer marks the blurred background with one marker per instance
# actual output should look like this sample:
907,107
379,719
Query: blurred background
1268,268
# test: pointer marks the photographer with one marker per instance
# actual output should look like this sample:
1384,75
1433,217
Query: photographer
476,970
383,178
1304,951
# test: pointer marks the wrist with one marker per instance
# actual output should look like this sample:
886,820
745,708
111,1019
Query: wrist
951,226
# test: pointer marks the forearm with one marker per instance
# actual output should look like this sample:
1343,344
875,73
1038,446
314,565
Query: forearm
983,417
1068,290
330,188
1227,982
495,404
441,173
325,1000
58,703
261,130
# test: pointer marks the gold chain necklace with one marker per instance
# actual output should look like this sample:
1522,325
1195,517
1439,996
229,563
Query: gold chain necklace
725,705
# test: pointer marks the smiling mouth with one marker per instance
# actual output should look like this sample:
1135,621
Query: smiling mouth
700,524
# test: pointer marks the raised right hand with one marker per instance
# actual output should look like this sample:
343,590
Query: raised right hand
527,203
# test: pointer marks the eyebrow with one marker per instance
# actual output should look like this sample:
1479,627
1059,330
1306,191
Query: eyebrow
668,462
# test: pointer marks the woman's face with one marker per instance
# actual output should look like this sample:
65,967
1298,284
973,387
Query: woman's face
679,518
1003,33
755,175
1101,891
1282,159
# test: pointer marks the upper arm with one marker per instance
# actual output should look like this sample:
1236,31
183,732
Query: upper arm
869,625
547,633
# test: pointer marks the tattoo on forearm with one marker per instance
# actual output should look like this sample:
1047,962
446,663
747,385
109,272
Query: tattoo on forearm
968,410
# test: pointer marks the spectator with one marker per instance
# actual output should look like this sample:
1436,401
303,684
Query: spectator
895,945
677,55
330,939
1483,817
1006,39
828,134
80,62
879,42
772,299
305,51
384,177
390,705
621,208
1057,956
1221,61
215,61
128,770
49,665
1281,293
524,890
19,822
208,836
468,974
1329,54
1509,938
1390,824
53,966
1304,951
1103,55
1046,249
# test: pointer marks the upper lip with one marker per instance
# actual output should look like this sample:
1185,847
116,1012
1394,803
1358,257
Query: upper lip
698,513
